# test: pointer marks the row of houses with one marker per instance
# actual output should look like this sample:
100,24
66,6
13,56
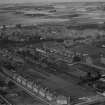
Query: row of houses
54,53
35,88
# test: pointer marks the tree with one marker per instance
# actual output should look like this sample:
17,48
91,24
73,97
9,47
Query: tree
18,25
76,59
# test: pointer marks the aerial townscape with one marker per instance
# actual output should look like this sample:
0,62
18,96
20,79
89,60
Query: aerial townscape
52,53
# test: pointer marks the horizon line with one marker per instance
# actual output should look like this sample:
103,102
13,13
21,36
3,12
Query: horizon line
96,1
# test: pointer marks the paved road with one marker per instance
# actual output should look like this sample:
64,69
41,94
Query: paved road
102,69
93,100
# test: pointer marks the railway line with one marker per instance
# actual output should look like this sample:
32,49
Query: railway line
4,101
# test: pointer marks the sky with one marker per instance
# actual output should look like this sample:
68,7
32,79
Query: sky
22,1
